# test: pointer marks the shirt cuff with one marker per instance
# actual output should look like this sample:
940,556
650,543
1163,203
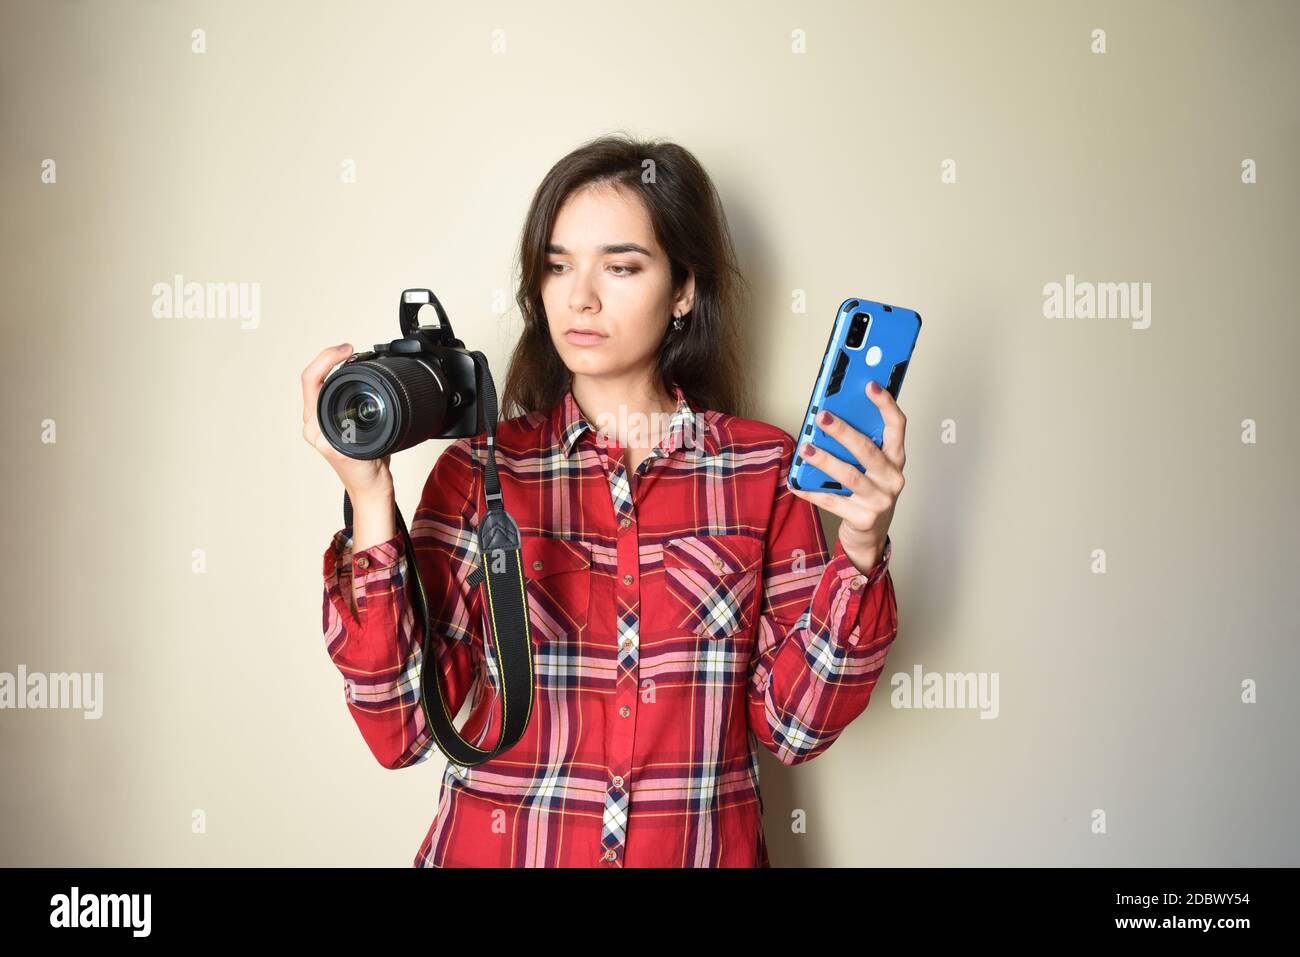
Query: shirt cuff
849,588
376,558
373,568
847,571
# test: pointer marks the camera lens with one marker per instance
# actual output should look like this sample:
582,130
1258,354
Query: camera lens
373,407
858,329
368,408
359,406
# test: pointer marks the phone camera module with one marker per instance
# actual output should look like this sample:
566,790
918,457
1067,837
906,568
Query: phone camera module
857,330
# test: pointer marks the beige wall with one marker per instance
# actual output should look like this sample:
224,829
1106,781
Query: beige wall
1118,691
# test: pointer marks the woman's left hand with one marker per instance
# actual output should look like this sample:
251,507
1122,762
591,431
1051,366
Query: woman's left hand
869,509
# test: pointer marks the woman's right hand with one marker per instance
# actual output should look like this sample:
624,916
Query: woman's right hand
363,478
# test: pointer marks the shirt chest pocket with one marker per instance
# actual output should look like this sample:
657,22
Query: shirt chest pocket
712,583
557,573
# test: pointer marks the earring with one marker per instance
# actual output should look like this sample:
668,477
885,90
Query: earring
678,323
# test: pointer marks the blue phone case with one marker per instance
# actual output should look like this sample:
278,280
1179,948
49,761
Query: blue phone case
883,354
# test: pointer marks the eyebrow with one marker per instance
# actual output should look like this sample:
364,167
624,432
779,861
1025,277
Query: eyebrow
606,250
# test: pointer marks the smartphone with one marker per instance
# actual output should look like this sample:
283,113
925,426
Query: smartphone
869,341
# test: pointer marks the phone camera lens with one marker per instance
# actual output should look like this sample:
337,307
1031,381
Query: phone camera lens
857,330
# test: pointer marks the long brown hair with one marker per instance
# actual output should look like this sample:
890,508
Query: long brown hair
704,358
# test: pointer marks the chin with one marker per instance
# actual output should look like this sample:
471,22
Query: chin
580,360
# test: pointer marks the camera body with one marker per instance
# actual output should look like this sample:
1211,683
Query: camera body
421,386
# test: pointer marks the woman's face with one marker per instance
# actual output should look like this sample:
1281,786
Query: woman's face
605,273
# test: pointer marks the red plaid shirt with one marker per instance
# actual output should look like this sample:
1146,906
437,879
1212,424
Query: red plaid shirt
682,614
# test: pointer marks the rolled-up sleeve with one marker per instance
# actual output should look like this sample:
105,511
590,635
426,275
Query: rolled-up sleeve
379,650
823,633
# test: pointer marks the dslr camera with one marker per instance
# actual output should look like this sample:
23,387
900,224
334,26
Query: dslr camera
427,385
421,386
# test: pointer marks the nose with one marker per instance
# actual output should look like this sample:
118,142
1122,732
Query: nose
582,292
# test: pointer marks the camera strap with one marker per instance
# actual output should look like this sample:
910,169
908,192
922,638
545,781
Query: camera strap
501,572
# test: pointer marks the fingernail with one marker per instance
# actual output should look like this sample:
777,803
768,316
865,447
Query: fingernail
344,346
873,386
808,451
825,418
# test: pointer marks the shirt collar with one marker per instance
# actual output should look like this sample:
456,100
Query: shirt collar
568,425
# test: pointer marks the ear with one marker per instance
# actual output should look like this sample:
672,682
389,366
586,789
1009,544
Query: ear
685,300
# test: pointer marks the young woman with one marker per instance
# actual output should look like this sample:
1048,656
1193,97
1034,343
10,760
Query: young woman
684,608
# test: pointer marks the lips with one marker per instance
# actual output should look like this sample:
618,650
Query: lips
579,337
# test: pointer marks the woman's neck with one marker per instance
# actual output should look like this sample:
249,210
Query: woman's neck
631,411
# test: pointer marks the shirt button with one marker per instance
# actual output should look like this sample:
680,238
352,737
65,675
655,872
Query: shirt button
627,644
625,711
624,522
363,562
717,563
537,565
627,579
618,780
611,854
857,583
